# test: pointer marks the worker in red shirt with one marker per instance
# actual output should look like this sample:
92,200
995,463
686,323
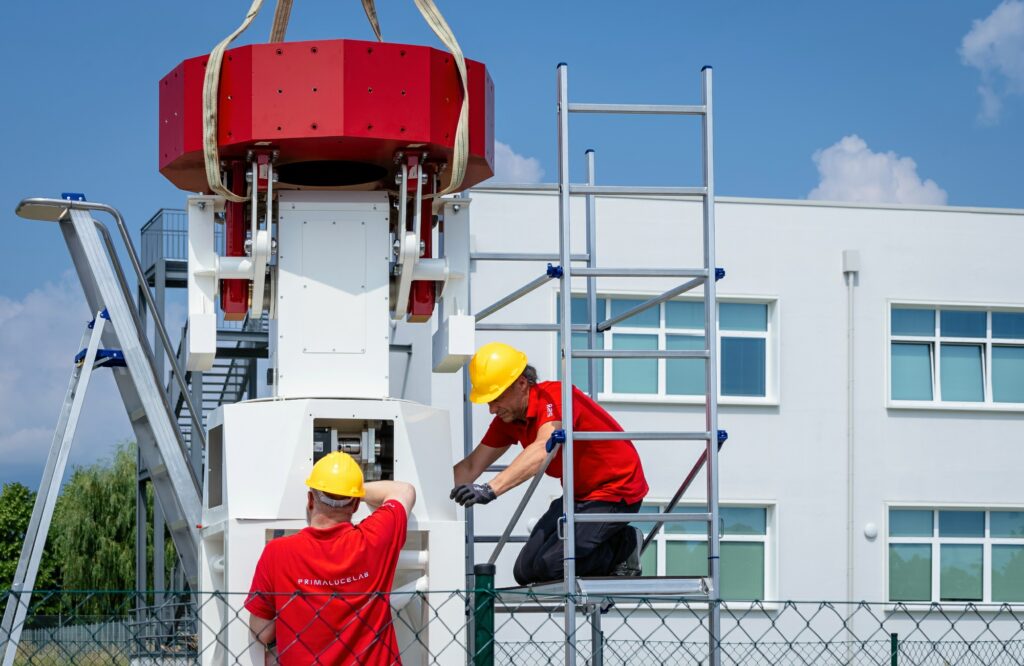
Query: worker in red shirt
322,594
608,475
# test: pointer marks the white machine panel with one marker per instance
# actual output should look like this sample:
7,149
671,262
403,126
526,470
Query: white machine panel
331,335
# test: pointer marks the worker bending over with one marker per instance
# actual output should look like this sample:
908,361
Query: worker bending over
322,593
608,476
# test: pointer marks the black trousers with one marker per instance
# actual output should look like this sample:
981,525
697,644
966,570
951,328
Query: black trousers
599,546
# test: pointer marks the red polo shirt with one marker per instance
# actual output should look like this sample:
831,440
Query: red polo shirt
319,587
604,470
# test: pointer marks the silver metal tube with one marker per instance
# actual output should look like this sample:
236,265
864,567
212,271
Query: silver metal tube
632,190
568,475
657,300
591,238
638,109
656,435
640,353
596,636
711,378
642,517
522,256
532,285
641,272
506,535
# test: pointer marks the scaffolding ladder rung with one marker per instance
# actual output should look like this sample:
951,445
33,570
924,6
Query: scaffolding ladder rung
640,353
639,109
639,272
642,517
639,191
640,434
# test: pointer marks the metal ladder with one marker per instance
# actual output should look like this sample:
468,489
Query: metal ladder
706,276
115,338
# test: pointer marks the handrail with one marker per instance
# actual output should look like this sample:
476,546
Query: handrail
553,446
158,323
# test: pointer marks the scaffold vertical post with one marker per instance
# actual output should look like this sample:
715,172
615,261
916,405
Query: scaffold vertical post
483,615
711,378
592,318
596,636
565,303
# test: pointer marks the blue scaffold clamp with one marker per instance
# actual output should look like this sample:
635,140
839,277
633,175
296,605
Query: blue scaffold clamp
103,314
719,274
722,436
111,358
554,271
72,196
556,438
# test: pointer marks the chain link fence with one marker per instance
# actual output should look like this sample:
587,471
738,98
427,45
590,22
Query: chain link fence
503,627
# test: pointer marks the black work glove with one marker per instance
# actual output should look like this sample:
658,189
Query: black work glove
469,494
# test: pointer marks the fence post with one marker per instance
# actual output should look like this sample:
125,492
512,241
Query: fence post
483,615
894,649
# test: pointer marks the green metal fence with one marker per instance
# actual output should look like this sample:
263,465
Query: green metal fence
497,627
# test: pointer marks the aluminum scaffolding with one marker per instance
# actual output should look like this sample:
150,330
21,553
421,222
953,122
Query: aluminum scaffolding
592,594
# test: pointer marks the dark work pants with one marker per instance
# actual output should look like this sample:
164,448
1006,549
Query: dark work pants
599,546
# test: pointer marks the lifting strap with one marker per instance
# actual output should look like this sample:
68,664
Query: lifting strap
211,87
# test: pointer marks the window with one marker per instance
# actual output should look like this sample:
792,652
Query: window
952,355
743,341
956,555
680,549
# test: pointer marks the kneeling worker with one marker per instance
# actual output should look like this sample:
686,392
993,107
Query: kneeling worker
323,593
608,475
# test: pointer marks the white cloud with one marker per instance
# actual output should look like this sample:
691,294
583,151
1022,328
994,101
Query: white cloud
850,171
511,167
40,334
995,46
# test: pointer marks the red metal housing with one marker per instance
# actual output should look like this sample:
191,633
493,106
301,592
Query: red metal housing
349,102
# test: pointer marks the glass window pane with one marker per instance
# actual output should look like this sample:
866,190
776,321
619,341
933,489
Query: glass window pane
907,321
634,375
1007,374
688,527
743,316
686,558
1007,573
646,527
743,366
1006,524
910,572
580,366
1008,325
961,523
911,371
579,310
649,318
744,520
960,374
649,561
742,570
960,572
910,523
684,314
962,323
684,376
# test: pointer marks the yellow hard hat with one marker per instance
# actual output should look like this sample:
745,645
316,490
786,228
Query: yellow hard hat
337,473
493,369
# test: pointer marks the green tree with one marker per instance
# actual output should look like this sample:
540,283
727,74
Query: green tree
16,502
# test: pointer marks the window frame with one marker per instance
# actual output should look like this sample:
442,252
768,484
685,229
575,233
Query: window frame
935,542
935,342
769,539
771,336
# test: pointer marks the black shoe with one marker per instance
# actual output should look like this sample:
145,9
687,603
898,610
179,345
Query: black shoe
631,565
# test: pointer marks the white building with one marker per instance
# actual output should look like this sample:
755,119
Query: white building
930,416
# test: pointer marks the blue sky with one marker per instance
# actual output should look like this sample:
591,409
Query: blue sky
916,102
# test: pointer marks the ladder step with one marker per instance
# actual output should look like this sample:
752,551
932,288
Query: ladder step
138,416
639,434
642,109
631,190
642,517
640,353
111,358
639,272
